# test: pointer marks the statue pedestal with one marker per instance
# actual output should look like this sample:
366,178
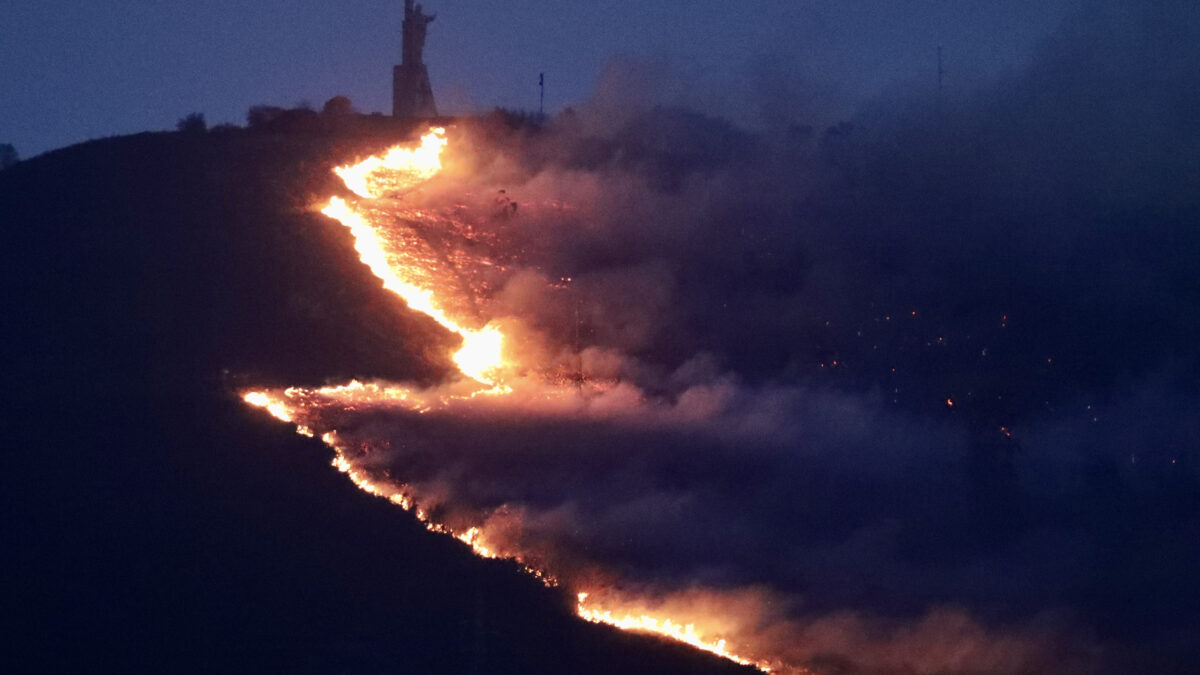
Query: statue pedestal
412,95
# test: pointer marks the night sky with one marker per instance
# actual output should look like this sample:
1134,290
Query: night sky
79,70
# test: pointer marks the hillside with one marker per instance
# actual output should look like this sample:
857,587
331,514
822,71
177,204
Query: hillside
155,523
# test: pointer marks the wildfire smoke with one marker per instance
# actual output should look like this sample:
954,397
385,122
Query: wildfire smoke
560,451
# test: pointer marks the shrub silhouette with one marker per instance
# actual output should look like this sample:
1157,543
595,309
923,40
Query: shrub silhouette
8,155
192,124
338,106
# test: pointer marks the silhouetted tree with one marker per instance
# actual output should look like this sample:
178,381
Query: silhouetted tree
8,155
338,106
192,124
261,115
271,119
515,119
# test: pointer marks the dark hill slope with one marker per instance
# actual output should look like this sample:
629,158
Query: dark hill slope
153,523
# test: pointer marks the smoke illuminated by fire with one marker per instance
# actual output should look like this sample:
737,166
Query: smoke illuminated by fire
380,182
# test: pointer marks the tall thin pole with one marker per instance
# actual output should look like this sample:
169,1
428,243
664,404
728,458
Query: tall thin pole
941,73
542,95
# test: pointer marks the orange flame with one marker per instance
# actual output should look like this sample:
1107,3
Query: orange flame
398,169
665,627
277,409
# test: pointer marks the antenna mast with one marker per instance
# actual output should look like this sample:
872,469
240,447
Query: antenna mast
940,73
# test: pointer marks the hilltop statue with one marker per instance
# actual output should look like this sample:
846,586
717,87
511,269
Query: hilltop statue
412,95
416,23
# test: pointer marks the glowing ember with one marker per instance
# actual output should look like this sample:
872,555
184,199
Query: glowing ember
481,358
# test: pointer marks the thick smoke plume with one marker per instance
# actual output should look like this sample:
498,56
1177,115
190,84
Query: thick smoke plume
910,393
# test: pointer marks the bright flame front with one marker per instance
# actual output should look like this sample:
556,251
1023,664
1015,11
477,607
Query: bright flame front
480,357
400,168
664,626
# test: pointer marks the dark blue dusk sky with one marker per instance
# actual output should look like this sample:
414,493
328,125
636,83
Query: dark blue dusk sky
74,70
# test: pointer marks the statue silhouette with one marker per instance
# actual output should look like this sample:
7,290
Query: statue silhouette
416,23
412,94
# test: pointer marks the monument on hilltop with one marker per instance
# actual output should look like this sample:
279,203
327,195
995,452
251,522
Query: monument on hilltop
412,95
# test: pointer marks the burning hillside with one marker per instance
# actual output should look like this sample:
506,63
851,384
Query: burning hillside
911,393
390,241
523,458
